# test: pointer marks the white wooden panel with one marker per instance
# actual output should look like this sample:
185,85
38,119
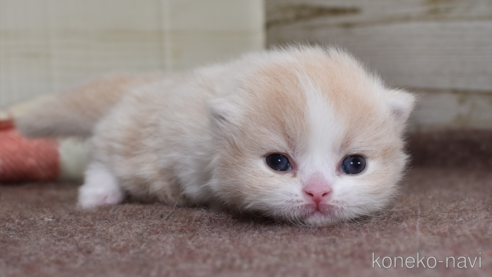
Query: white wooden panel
49,45
215,15
220,28
186,48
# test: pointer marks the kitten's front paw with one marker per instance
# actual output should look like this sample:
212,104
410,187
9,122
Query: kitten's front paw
100,188
90,198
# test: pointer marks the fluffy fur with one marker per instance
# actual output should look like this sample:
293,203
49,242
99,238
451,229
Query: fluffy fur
201,138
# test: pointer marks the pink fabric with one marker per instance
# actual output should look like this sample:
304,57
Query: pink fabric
23,159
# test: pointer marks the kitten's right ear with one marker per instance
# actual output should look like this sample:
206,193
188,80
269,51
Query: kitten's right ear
223,113
401,104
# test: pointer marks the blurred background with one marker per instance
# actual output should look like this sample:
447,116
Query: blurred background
441,49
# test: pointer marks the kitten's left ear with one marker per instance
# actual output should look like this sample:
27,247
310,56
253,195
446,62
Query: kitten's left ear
401,104
223,113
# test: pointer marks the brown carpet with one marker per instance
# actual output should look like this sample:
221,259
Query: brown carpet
445,209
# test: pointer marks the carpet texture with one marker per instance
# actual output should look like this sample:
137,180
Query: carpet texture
445,209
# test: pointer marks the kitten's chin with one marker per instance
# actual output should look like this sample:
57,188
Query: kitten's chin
320,216
319,220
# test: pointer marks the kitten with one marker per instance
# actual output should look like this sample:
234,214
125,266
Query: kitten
302,134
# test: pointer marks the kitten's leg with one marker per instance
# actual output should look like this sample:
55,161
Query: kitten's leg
100,188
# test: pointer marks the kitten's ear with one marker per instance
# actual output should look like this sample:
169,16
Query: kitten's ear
223,113
401,104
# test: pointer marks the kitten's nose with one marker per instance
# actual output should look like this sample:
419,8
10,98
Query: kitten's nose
317,189
317,195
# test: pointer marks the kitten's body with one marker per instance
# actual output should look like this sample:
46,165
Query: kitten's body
201,138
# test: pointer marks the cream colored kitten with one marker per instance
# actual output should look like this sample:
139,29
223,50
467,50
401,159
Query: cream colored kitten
301,134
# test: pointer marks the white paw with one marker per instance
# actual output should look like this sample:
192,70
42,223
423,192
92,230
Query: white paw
89,199
100,188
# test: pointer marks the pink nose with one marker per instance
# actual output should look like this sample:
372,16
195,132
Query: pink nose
317,195
317,189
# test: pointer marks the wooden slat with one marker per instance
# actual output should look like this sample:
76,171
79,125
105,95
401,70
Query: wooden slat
350,13
451,109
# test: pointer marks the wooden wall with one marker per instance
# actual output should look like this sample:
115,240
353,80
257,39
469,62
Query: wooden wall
441,49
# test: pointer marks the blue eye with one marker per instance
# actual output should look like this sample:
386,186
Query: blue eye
278,162
353,164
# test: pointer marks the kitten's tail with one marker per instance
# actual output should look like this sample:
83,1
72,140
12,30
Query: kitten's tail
75,112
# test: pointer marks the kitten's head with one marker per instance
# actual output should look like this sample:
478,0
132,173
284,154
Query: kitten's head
308,136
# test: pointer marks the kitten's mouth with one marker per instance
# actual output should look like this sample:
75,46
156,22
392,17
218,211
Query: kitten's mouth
320,210
320,215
